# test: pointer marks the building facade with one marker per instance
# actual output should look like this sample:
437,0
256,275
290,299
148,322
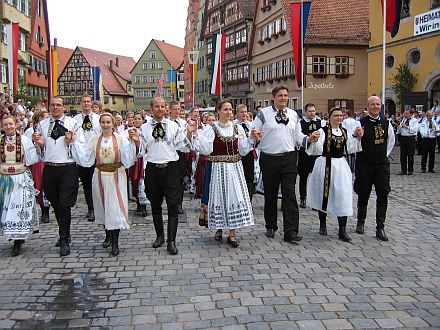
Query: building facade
150,74
16,12
416,44
39,43
190,45
76,79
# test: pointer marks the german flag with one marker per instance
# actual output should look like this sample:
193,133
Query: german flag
394,8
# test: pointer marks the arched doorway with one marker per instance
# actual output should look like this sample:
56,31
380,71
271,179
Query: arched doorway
390,107
435,92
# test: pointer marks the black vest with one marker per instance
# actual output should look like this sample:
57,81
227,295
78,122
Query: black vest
375,141
308,128
334,146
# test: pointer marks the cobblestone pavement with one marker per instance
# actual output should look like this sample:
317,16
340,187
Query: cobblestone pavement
321,283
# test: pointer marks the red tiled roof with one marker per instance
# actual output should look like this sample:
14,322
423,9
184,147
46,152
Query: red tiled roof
173,54
63,57
342,22
109,80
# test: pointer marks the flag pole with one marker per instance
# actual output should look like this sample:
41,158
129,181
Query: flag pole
192,78
384,41
221,63
302,55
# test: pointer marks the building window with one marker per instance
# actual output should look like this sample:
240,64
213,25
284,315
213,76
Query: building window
153,78
153,54
319,65
160,65
210,48
341,63
413,57
146,93
244,36
153,65
145,66
137,79
39,8
4,35
145,78
22,42
3,73
153,93
406,5
27,8
435,3
129,88
389,61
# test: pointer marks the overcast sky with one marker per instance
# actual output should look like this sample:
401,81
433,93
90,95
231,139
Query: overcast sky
110,25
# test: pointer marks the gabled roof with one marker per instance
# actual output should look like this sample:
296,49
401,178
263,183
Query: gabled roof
173,54
342,22
64,55
108,71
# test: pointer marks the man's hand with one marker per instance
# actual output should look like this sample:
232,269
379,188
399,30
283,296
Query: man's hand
313,137
256,134
359,132
38,139
69,137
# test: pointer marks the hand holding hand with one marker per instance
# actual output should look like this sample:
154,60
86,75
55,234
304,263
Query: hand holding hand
69,137
359,132
256,134
314,137
38,139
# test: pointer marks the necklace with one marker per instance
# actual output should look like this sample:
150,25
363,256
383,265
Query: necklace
224,125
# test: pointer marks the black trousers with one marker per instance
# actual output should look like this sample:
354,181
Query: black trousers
163,182
182,173
278,170
305,167
428,150
86,176
60,186
248,163
407,151
368,175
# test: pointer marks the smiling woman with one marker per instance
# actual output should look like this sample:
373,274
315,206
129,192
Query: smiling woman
136,22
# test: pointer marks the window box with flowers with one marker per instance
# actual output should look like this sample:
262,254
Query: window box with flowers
282,32
341,75
257,83
277,79
274,35
267,39
270,80
261,42
320,75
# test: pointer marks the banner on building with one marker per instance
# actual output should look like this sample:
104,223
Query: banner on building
12,32
172,78
427,22
52,69
98,94
217,59
193,58
394,8
299,26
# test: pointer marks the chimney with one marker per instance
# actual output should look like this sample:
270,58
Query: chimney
117,62
111,64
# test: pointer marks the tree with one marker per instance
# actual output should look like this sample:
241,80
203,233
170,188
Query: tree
403,81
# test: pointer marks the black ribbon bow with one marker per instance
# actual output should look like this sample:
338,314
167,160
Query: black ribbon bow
158,131
58,130
281,117
87,124
246,129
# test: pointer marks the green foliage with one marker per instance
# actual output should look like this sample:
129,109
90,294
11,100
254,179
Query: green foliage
23,92
403,81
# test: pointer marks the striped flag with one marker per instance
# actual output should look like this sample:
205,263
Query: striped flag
97,84
218,54
12,32
172,78
394,8
52,68
298,34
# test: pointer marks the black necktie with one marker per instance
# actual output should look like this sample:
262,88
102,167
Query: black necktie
281,117
87,124
158,131
177,122
246,129
430,124
58,130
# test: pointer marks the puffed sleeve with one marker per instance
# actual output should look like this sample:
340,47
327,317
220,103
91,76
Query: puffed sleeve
181,141
30,152
391,140
128,152
84,153
244,144
316,148
203,142
353,144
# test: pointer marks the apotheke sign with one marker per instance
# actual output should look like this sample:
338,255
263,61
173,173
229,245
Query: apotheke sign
427,22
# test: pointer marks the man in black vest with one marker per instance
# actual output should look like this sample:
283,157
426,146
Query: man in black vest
373,167
309,124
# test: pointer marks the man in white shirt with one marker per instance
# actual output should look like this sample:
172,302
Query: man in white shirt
350,124
88,122
54,137
408,129
278,132
161,138
428,129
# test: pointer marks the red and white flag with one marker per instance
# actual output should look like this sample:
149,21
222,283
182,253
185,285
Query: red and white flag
12,32
218,54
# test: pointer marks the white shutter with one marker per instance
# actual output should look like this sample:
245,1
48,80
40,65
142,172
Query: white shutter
351,65
332,65
309,69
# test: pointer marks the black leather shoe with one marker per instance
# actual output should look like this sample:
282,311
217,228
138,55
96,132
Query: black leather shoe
423,171
57,244
380,234
432,171
232,241
180,209
292,238
64,248
45,215
107,241
410,172
302,203
17,247
159,241
323,229
343,236
218,235
171,247
360,228
270,233
91,216
144,212
401,173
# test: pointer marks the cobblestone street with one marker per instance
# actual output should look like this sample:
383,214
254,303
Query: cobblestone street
322,283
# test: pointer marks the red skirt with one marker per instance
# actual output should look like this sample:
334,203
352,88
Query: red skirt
37,175
200,172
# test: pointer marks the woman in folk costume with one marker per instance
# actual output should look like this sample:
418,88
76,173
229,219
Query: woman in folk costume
136,173
112,154
330,185
37,169
224,142
18,209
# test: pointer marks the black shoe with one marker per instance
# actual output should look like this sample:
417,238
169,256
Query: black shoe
218,235
115,242
302,203
432,171
180,209
64,248
360,228
343,236
159,241
270,233
232,241
144,212
292,238
380,234
17,247
401,173
138,208
91,216
107,241
323,229
57,244
45,214
423,171
171,247
410,172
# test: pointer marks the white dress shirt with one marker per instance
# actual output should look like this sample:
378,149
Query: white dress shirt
56,151
278,138
162,151
94,119
412,128
350,124
426,132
